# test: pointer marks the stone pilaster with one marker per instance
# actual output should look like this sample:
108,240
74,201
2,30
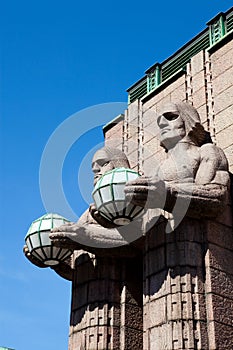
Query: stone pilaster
187,303
105,311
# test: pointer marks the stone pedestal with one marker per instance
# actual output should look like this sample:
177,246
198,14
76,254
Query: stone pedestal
188,284
106,311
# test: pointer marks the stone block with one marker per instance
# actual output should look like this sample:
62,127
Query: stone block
155,261
223,336
223,100
152,146
149,116
132,339
133,110
198,81
203,114
174,311
222,309
116,131
189,230
132,316
166,98
199,98
219,258
188,335
219,234
171,88
114,291
186,279
152,102
158,285
179,94
225,217
155,312
132,131
199,307
223,63
115,338
160,338
79,318
155,237
201,336
223,81
133,159
115,142
80,296
115,315
224,119
177,336
221,52
151,131
221,283
184,253
224,137
197,63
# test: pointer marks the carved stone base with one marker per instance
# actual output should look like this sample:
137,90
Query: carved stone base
106,304
188,287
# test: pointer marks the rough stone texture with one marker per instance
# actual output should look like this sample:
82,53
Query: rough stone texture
114,136
222,73
106,310
187,274
186,306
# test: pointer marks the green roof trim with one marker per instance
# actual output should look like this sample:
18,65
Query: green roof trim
165,83
218,29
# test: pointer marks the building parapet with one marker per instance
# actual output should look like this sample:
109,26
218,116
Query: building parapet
218,28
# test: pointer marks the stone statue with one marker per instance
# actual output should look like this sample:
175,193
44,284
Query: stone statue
92,231
190,184
193,180
195,172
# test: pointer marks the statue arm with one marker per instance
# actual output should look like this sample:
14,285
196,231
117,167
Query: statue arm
87,233
206,194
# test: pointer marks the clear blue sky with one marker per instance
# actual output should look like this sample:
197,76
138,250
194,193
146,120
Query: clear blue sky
57,58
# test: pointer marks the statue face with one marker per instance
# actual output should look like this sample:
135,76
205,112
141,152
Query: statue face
101,163
172,127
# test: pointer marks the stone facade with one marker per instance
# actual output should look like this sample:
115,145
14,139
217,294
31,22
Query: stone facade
176,294
187,283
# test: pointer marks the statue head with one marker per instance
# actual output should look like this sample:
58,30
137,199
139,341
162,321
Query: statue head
180,121
108,158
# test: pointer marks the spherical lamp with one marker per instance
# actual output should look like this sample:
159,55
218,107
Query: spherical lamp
109,196
40,245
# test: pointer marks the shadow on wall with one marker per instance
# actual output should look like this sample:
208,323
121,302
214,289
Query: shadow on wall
103,283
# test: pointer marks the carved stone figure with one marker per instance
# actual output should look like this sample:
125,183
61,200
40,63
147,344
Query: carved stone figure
164,274
193,180
93,231
195,172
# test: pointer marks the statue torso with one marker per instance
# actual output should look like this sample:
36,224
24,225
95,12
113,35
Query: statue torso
181,165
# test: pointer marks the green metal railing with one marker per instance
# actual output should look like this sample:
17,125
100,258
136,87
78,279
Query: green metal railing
217,28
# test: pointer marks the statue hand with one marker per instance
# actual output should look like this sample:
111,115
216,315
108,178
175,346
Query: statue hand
99,218
33,259
61,236
148,192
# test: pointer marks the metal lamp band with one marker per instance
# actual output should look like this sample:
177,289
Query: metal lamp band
40,245
109,196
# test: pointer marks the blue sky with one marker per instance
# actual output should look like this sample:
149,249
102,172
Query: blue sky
56,59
